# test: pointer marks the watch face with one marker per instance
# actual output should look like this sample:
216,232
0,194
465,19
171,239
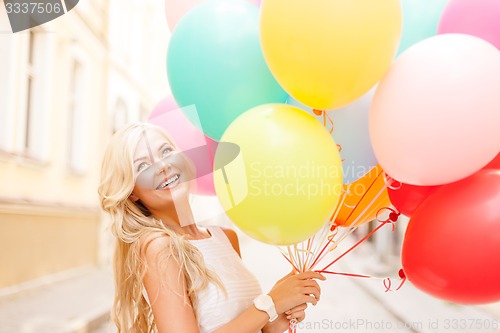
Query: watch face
260,302
265,303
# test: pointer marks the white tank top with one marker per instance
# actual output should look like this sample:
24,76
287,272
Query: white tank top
214,308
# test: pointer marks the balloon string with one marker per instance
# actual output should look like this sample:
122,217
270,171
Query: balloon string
327,118
330,239
345,274
393,216
386,281
333,229
361,240
363,196
290,261
327,228
340,203
308,253
369,208
292,326
387,284
403,278
353,226
294,259
332,218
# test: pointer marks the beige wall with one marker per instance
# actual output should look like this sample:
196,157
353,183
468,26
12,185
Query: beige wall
49,211
41,240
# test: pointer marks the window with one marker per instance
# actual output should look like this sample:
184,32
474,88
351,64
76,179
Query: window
120,115
76,120
30,92
9,45
31,111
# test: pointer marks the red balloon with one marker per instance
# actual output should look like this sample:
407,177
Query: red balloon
406,198
451,249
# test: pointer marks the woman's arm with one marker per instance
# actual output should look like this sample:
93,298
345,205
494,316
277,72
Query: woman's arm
281,323
166,289
288,293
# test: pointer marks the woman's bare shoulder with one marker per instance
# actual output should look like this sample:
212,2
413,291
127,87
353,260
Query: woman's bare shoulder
154,242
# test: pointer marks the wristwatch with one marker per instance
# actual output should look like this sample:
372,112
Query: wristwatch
265,303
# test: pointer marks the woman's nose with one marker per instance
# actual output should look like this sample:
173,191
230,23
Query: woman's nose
162,166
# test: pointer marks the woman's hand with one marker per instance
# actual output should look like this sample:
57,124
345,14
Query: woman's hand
296,289
282,323
298,313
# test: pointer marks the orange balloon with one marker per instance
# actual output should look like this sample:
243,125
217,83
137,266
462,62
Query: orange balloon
363,199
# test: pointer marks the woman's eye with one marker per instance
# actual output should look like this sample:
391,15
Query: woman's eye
167,151
142,166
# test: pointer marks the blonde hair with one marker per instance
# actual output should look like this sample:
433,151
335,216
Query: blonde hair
130,221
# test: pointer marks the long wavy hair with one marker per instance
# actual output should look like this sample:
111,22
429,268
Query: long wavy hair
131,222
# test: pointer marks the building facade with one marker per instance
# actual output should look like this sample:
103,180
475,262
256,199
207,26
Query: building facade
65,87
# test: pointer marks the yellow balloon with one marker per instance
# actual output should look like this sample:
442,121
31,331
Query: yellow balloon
287,179
328,53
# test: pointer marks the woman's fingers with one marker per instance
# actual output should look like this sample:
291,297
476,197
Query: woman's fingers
309,299
295,289
311,283
298,308
310,275
312,291
300,316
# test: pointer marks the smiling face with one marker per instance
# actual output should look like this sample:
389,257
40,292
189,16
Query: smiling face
162,173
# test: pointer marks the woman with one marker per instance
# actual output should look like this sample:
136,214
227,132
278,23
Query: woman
170,274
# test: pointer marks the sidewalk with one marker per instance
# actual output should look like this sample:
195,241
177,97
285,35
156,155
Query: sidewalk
76,305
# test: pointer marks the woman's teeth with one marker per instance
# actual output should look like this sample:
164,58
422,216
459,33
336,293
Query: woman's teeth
168,182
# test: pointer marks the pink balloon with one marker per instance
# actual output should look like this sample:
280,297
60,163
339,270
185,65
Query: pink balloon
494,164
480,18
171,118
435,115
176,9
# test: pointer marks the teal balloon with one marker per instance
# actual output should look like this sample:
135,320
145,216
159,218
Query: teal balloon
215,62
420,21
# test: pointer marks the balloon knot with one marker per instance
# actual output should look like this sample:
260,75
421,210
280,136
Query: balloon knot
394,216
318,112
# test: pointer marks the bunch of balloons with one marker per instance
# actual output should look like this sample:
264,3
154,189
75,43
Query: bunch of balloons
237,65
434,125
356,104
